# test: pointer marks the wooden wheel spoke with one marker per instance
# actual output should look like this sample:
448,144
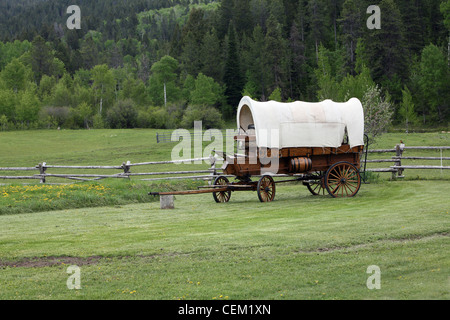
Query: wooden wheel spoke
336,176
334,182
343,171
351,176
337,187
351,184
317,187
264,196
347,190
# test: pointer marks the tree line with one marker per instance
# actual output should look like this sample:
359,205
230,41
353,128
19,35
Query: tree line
166,63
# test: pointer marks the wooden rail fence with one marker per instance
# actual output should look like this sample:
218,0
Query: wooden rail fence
397,169
43,174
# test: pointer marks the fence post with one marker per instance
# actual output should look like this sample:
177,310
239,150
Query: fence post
212,160
126,167
157,138
42,167
398,154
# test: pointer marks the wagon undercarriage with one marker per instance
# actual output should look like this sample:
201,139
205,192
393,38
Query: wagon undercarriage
340,180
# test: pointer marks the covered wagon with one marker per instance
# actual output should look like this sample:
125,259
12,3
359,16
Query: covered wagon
318,143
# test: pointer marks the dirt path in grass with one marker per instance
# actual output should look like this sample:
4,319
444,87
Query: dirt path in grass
365,245
38,262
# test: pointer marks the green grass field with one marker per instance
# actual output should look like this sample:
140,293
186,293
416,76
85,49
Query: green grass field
297,247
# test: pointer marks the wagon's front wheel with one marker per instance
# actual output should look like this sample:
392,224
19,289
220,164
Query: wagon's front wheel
266,189
342,180
221,196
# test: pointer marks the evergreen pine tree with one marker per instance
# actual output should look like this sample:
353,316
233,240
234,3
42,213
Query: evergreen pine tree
241,14
413,24
274,51
211,53
225,15
316,24
257,73
386,52
350,23
41,58
233,78
298,76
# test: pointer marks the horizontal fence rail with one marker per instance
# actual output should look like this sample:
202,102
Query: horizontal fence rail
395,166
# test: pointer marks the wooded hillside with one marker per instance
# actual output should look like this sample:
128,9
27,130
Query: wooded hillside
166,63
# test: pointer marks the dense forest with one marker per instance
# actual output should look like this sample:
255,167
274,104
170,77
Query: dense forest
166,63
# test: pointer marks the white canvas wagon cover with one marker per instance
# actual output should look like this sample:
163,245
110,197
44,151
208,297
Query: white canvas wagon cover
302,124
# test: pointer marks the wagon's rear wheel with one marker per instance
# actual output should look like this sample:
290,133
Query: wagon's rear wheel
316,187
342,180
221,196
266,189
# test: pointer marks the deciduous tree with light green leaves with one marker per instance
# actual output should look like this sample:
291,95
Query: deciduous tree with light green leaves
378,112
206,92
27,108
8,101
434,82
15,75
163,86
276,95
104,85
406,111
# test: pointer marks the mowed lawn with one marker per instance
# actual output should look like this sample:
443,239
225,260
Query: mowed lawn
297,247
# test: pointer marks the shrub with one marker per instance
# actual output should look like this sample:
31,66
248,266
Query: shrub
122,115
97,121
159,117
3,122
54,116
378,112
210,117
144,119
